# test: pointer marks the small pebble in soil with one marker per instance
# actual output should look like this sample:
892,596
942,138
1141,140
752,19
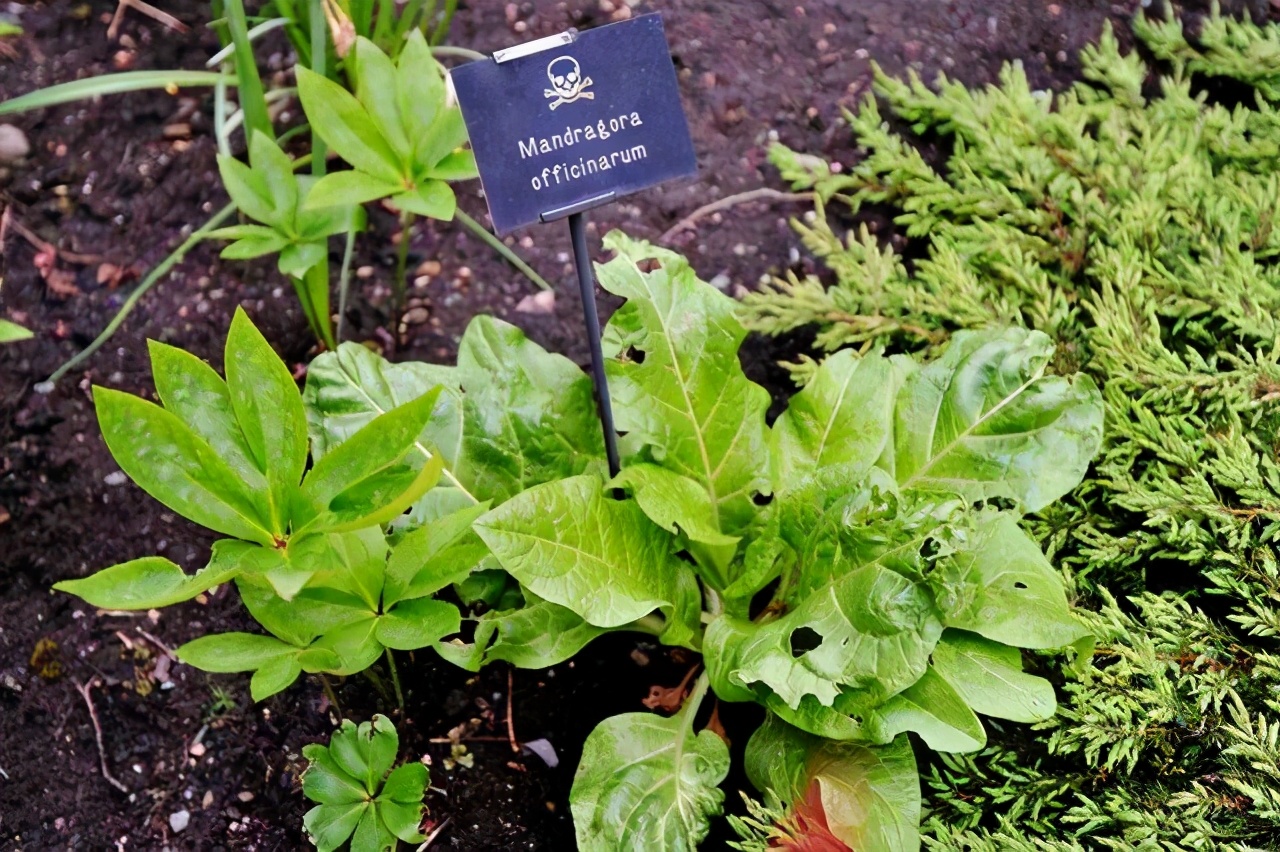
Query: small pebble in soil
13,143
179,820
116,478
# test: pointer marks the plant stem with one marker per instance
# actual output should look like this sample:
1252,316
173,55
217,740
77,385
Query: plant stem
395,681
399,285
147,283
331,695
651,624
344,277
319,47
448,51
502,248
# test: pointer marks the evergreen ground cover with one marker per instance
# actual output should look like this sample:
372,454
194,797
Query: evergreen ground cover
1132,219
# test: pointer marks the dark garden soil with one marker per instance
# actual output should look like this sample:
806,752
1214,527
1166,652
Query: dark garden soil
114,184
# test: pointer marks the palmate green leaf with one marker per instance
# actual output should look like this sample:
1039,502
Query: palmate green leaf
153,581
372,835
989,677
984,421
365,751
646,782
433,199
249,191
296,258
1000,585
377,446
276,169
268,409
351,187
418,623
177,467
375,88
355,645
194,393
602,558
299,621
687,401
329,826
437,554
840,421
346,126
347,567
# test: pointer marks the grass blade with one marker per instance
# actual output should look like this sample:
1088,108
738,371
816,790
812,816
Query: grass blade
112,84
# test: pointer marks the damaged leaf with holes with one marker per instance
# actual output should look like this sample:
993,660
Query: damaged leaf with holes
859,567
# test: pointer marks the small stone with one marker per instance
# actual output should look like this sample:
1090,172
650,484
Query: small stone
364,272
13,144
417,316
542,302
116,478
721,282
197,749
428,267
244,796
207,800
179,820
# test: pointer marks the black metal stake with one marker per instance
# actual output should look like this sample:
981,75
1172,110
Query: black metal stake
587,286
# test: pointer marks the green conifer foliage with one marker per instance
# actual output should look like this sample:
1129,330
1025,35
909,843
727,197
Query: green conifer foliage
1133,219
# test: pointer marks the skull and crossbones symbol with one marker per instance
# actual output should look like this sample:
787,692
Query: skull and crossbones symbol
567,82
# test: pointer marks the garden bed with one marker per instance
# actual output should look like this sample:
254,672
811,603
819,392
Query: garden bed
112,188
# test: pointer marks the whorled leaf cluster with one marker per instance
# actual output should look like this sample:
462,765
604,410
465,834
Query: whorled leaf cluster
1132,219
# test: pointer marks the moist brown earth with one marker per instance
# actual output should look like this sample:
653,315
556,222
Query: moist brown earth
116,183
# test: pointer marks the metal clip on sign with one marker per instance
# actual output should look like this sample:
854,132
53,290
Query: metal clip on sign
570,122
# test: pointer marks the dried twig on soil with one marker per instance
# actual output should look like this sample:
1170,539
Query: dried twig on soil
85,691
764,193
511,725
435,832
147,9
46,247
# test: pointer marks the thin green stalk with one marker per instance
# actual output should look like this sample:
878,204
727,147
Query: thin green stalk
259,30
446,18
319,49
252,100
651,624
395,681
449,51
344,277
154,276
399,285
502,248
331,695
111,84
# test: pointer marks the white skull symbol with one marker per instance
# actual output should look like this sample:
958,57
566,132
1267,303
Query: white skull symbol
565,76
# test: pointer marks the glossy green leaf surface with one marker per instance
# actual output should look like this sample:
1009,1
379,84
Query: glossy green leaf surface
676,383
648,782
989,676
572,545
984,421
870,795
268,409
177,467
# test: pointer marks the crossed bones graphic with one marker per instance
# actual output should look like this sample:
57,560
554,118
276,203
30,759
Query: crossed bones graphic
567,82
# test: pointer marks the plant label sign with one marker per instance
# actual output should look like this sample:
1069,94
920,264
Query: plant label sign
566,123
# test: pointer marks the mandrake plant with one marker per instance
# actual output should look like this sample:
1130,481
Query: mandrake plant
1132,218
